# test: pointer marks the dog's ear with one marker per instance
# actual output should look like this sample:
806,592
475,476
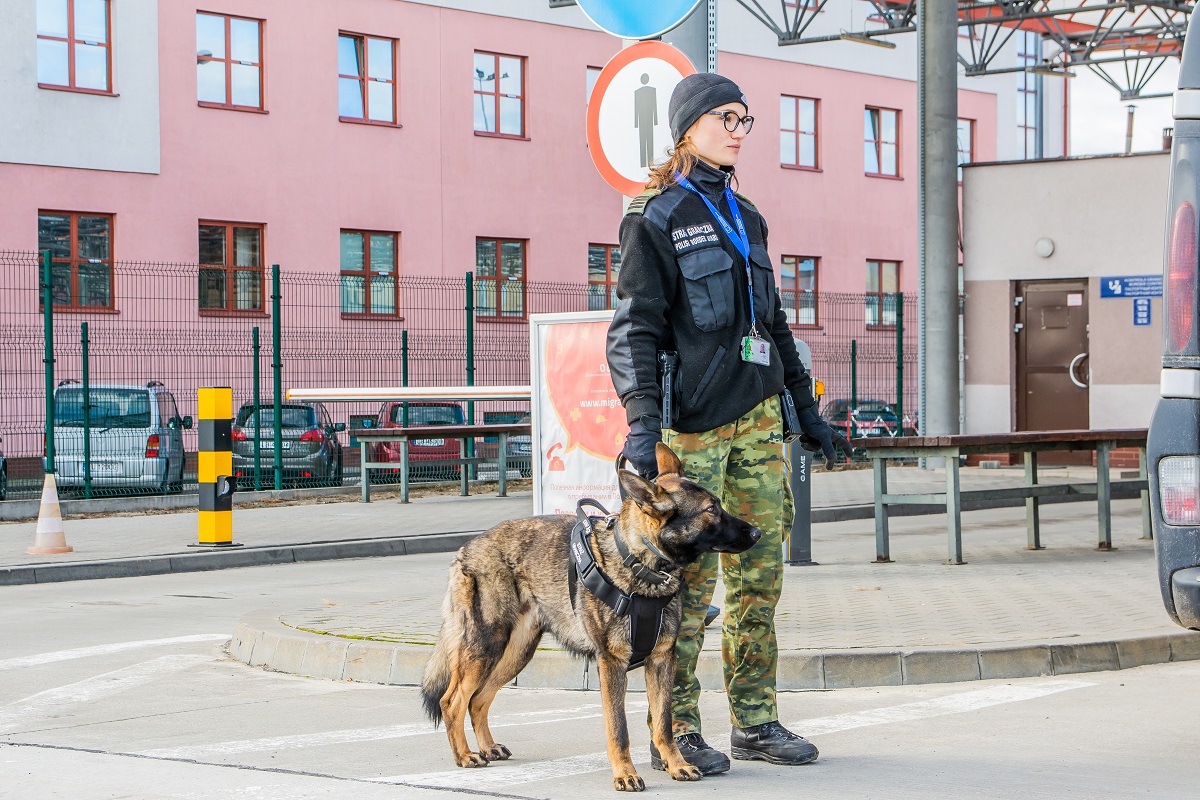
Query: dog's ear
649,497
668,462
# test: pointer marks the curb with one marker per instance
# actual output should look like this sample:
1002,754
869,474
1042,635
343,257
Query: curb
261,640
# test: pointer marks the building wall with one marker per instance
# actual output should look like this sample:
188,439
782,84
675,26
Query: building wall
1106,218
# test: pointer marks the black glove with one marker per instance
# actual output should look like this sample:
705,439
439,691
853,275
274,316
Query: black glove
817,431
639,446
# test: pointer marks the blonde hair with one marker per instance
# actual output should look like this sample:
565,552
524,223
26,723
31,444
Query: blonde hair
682,158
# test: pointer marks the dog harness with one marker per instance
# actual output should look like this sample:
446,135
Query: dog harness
645,613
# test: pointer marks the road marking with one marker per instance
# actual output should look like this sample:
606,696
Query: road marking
86,691
105,649
351,735
507,774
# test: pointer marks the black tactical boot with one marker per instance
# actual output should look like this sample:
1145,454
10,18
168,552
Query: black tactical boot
696,752
771,742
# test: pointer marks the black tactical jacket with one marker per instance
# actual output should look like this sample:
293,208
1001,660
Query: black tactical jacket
682,287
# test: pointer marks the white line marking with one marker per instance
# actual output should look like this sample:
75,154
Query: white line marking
85,691
347,736
104,649
506,774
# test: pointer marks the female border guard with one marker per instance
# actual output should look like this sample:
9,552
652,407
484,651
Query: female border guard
696,280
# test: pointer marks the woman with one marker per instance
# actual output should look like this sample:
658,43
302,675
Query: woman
696,280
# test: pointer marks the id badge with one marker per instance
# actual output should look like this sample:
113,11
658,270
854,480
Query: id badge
756,351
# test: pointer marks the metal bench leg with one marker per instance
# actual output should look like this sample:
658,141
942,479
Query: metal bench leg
1103,496
882,550
503,466
404,470
953,511
366,477
1147,531
1033,519
463,473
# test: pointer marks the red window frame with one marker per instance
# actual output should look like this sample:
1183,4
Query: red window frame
498,280
365,119
480,96
970,146
72,41
797,133
366,274
881,320
231,268
608,284
879,111
74,260
228,61
797,293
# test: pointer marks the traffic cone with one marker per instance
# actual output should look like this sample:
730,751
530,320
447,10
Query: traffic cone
50,537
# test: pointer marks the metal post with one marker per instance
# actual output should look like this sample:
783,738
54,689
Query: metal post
853,410
899,363
471,362
277,378
404,375
87,413
214,467
799,549
48,356
938,216
257,410
712,35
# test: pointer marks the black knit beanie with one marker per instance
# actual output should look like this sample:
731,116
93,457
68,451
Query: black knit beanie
698,93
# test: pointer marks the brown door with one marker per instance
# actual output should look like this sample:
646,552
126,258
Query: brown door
1052,360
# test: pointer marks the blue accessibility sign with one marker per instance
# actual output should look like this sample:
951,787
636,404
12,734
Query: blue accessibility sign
1132,286
1141,311
637,19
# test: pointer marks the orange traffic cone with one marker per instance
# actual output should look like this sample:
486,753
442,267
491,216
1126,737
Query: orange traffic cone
50,537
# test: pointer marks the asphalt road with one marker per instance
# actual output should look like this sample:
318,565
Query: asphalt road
122,689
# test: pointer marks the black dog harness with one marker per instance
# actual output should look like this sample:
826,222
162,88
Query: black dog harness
645,613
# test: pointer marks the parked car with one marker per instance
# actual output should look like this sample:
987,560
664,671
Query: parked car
420,414
3,472
519,451
134,434
1173,444
311,451
868,418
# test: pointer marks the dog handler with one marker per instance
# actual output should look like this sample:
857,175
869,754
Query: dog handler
696,280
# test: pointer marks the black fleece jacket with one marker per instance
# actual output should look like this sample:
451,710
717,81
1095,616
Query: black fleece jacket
683,287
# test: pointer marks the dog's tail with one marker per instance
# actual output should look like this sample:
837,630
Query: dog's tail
439,669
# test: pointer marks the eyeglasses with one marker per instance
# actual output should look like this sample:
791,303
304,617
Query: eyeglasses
731,120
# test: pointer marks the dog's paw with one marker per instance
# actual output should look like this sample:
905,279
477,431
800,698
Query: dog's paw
473,760
496,752
631,782
686,773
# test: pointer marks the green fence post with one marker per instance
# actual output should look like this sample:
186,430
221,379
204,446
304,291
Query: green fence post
254,344
87,414
277,378
404,375
48,356
899,363
853,388
471,358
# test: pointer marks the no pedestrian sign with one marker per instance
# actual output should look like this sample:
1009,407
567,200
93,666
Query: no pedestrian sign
628,129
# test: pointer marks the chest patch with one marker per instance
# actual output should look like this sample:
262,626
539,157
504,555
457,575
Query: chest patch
692,236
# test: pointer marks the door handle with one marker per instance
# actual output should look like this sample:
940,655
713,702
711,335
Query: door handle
1071,370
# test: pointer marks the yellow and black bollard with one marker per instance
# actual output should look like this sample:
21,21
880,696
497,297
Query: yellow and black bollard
215,467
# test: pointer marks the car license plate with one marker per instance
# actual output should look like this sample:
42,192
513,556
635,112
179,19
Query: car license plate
105,468
430,442
270,445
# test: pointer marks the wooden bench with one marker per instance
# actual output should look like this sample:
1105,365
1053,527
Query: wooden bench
1029,444
464,433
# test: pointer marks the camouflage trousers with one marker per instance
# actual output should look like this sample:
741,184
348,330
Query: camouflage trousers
743,464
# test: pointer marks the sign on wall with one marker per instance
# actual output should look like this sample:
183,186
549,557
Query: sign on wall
1132,286
1141,311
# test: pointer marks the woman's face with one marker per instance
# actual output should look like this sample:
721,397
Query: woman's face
714,145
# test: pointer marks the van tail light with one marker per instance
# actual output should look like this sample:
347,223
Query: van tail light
237,435
1181,280
152,446
316,435
1179,487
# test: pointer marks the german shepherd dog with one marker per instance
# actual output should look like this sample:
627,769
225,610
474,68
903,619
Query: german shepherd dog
510,585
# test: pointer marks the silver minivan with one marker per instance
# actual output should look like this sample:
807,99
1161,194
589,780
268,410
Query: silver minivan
135,432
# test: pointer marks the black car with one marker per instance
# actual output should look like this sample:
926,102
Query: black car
311,451
1173,446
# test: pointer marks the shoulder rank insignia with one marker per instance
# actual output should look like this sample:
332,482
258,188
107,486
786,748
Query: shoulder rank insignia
745,200
638,204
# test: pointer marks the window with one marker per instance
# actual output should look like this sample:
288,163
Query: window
81,264
499,95
1029,47
798,289
883,281
966,144
74,45
881,134
369,273
604,264
229,63
366,78
500,278
593,75
231,266
797,132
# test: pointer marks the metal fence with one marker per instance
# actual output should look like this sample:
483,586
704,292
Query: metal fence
145,325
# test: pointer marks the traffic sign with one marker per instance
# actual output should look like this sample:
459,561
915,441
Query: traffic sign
628,128
637,19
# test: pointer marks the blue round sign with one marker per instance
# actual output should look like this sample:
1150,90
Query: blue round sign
637,19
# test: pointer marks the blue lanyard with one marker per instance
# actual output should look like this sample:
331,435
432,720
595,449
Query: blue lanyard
739,237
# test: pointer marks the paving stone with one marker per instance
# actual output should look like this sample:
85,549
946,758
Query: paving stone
325,657
847,670
1071,658
289,654
1147,650
241,645
408,665
368,662
800,671
263,653
1185,646
1015,662
941,666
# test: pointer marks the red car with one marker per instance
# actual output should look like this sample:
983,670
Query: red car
391,415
